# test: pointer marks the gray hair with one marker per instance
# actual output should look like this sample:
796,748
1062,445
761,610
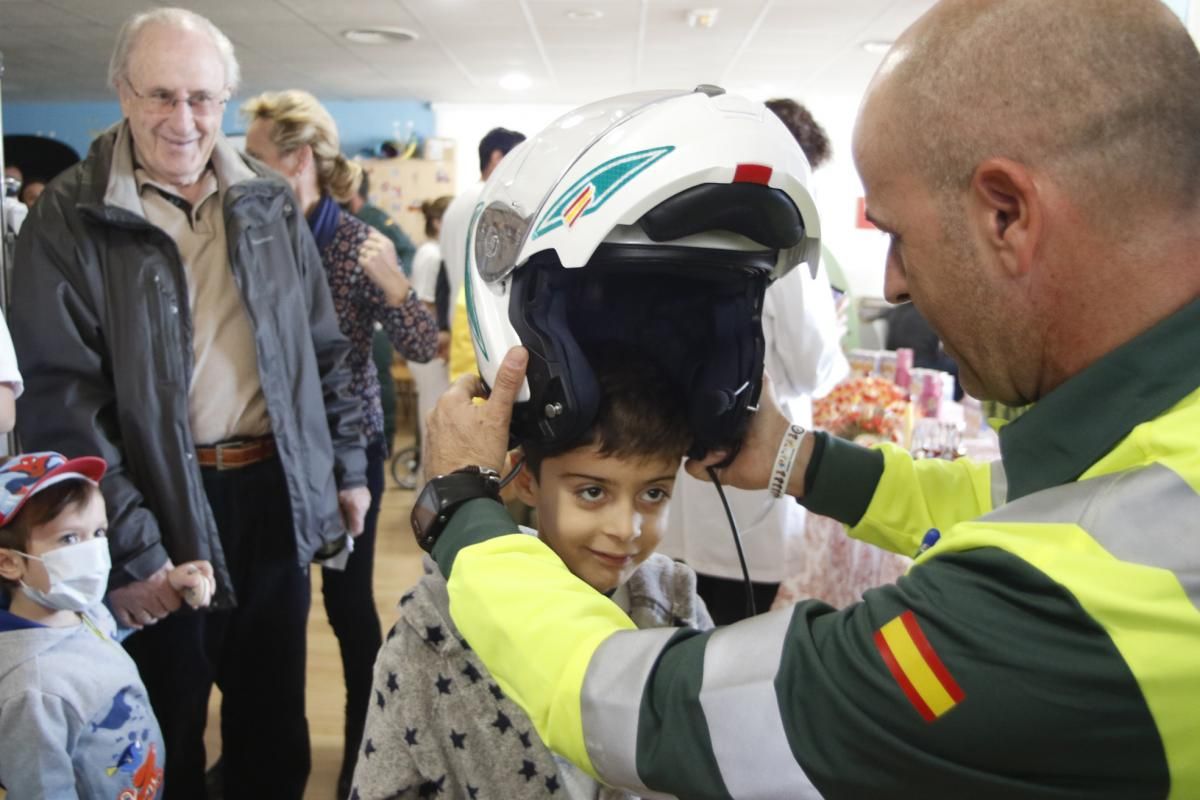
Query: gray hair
180,19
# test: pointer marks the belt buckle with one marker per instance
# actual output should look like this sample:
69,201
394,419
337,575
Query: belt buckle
220,452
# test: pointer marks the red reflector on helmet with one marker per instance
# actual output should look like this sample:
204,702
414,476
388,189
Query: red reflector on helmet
752,173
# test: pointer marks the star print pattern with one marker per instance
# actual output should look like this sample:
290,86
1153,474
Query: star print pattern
439,719
431,788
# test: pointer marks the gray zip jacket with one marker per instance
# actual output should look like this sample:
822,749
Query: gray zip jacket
439,726
103,334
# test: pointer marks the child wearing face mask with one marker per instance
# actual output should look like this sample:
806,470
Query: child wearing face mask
75,720
439,724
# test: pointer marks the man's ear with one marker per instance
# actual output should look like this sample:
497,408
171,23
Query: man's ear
303,156
12,565
1007,212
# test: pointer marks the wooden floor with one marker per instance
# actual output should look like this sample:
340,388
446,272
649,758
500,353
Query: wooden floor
397,567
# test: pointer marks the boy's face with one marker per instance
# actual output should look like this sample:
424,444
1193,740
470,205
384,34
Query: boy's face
603,515
76,524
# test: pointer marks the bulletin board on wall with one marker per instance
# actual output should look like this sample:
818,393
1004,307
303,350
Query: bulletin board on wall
400,185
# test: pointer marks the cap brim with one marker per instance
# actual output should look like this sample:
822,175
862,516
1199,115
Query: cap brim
89,468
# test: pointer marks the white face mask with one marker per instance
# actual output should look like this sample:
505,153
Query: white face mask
78,576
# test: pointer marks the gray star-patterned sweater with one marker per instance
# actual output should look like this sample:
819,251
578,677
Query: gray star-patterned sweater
439,726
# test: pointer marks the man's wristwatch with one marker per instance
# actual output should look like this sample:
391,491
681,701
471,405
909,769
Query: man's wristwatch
444,494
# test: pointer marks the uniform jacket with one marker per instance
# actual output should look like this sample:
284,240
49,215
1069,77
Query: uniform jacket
439,723
75,720
102,329
1044,644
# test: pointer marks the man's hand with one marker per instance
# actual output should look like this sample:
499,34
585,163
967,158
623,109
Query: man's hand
354,504
461,433
194,582
752,467
145,602
377,258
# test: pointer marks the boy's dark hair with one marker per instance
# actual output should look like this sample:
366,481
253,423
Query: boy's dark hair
40,509
501,139
807,132
434,210
641,413
364,187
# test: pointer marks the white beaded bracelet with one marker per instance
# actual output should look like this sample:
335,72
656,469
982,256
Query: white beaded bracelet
785,460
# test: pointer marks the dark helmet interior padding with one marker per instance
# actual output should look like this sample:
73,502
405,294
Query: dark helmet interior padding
695,312
762,214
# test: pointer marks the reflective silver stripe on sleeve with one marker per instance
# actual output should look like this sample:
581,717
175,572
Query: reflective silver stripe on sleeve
1143,516
999,483
611,703
742,710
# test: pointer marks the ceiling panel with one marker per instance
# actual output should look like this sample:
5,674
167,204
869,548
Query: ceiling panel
58,49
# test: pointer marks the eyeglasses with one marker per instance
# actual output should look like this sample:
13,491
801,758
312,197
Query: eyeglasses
161,101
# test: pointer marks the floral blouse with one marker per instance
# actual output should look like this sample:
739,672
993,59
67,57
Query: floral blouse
359,304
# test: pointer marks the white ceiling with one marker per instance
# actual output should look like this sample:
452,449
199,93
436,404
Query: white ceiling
58,49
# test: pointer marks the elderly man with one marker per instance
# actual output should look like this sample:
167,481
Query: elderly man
1035,165
171,314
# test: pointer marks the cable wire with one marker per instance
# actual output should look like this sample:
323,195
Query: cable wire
737,540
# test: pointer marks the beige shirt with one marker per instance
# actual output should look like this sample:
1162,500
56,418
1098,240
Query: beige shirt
225,398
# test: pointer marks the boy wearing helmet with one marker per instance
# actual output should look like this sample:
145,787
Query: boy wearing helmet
75,720
439,721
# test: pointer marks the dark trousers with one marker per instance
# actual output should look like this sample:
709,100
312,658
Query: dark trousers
255,653
350,605
726,597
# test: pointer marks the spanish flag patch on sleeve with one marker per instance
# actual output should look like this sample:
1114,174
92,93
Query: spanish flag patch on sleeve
912,661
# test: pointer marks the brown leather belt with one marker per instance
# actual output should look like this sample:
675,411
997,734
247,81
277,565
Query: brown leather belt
234,455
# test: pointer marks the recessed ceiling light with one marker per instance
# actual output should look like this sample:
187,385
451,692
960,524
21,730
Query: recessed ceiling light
515,81
379,35
584,14
702,17
877,45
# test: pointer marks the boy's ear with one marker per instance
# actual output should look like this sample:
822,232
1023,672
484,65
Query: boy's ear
12,565
526,486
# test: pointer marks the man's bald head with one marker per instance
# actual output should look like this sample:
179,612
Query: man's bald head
1102,94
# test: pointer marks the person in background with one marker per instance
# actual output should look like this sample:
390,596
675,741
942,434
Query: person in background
360,206
292,133
31,191
209,373
433,378
804,360
11,384
493,147
75,719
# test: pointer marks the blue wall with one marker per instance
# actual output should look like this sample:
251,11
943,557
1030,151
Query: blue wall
363,124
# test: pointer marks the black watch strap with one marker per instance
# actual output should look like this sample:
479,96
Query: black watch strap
442,496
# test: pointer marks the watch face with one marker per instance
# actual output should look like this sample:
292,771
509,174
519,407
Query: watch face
425,511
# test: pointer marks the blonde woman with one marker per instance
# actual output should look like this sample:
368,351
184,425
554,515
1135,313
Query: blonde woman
294,135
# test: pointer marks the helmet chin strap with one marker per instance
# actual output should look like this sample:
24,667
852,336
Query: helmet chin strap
737,542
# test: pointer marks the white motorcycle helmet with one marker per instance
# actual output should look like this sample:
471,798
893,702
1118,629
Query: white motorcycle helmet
654,221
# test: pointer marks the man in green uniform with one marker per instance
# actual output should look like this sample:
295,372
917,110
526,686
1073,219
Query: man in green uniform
1036,167
361,207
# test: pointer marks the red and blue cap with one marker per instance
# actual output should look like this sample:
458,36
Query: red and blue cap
23,476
